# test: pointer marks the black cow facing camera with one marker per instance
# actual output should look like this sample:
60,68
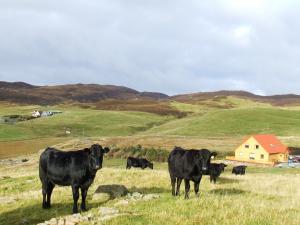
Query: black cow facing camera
138,162
188,165
73,168
215,170
239,170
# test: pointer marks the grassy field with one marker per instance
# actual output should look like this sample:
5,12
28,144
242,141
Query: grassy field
218,124
80,122
262,196
234,122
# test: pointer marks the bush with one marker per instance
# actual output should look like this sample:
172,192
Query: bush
152,154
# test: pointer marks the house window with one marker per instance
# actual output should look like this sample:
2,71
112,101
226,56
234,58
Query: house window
246,146
262,156
257,146
252,156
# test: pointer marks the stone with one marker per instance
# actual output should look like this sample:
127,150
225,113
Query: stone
121,203
150,197
104,211
136,195
53,221
114,190
61,221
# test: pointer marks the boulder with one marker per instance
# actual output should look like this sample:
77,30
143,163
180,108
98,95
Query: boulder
113,191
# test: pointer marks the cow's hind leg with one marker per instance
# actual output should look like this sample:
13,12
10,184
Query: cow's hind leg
179,180
83,197
187,188
44,192
173,182
46,186
49,192
75,191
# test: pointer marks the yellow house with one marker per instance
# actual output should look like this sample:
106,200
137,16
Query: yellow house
262,148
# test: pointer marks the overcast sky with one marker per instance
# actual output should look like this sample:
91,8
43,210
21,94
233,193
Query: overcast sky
170,46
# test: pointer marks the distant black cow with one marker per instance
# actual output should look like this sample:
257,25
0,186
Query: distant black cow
75,168
215,171
188,165
138,162
239,170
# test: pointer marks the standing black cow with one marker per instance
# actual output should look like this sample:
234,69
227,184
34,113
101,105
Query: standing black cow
239,170
138,162
75,168
215,171
188,165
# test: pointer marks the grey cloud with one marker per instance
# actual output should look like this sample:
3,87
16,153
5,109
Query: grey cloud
167,46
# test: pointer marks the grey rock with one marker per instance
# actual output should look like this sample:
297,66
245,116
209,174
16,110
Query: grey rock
104,211
113,190
121,203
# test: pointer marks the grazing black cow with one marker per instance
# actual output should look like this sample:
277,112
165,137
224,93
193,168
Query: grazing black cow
188,165
75,168
215,171
138,162
239,170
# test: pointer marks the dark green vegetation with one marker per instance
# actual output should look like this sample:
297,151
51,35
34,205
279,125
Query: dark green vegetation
152,154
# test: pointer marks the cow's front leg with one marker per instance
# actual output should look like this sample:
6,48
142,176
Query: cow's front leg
83,197
75,190
196,186
187,188
179,180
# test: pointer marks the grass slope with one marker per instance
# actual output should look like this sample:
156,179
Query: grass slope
234,122
85,122
263,196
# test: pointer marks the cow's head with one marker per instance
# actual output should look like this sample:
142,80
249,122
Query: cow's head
205,156
96,156
223,165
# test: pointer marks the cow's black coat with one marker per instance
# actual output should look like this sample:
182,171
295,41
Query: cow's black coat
239,170
215,170
74,168
138,162
189,165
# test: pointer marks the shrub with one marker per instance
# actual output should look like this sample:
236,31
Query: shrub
152,154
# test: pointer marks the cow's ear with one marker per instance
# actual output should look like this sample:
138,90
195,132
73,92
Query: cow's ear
106,150
213,154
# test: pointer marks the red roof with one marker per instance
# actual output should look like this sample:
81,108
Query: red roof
270,143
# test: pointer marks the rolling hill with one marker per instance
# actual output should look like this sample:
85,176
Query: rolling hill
23,93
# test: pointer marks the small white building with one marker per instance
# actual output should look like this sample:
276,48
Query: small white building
35,114
46,113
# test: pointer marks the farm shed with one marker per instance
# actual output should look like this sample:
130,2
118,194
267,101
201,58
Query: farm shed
262,148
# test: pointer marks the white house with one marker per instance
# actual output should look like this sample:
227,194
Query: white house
35,114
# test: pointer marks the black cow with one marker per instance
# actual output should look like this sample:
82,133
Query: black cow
75,168
138,162
239,170
188,165
215,171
